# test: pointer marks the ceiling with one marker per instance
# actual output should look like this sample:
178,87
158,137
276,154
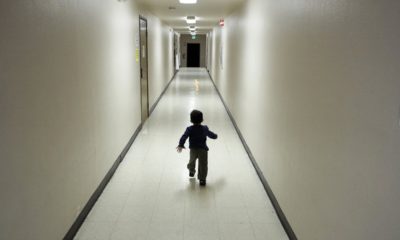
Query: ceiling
207,12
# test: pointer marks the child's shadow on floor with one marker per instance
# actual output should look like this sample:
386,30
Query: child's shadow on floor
202,196
211,186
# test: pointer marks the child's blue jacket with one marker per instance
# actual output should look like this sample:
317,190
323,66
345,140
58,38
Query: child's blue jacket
197,135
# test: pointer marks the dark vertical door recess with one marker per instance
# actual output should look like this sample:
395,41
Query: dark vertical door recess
193,54
175,51
144,85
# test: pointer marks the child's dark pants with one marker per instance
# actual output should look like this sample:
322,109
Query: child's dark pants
202,155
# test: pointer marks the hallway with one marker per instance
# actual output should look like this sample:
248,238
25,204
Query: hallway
151,195
304,96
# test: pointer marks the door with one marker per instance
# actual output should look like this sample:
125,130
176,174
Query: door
175,51
144,85
193,54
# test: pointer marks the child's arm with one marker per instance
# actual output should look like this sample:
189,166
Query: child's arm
182,141
210,134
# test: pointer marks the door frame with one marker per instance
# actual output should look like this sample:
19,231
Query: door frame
143,118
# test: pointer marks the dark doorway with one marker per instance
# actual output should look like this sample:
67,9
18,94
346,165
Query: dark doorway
193,54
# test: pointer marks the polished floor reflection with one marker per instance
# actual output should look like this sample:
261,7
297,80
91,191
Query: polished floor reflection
151,195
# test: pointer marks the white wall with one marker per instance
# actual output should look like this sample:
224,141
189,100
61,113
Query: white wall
314,87
69,103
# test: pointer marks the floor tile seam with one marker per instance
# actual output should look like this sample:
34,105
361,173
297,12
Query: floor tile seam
264,205
220,233
268,210
184,218
253,226
114,230
185,212
146,234
196,223
113,206
114,223
158,195
159,223
125,204
221,224
150,221
145,153
253,230
153,208
151,215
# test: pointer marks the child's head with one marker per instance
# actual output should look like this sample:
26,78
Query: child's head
196,117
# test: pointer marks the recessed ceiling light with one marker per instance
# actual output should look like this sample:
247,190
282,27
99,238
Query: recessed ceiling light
191,20
188,1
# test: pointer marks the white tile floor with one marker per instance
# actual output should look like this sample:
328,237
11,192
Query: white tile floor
151,195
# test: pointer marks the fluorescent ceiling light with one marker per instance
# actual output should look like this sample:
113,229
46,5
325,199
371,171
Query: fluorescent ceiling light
188,1
191,20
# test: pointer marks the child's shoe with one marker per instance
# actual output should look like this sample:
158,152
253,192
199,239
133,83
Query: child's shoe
202,182
191,174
